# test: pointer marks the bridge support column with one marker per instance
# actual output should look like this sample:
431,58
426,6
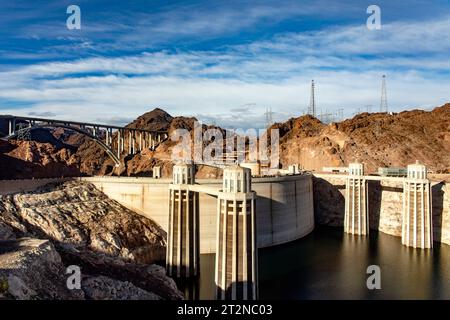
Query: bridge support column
12,126
118,143
356,219
183,243
144,141
236,269
417,226
129,142
107,137
110,137
122,142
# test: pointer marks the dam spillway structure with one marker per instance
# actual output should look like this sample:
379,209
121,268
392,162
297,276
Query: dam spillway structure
236,274
356,219
183,244
417,225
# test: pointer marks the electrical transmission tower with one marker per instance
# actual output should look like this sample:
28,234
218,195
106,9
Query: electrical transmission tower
24,132
269,119
312,101
340,113
384,104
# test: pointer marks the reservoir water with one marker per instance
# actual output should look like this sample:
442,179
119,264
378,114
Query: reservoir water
328,264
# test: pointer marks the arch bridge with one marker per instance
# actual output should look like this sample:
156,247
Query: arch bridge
110,138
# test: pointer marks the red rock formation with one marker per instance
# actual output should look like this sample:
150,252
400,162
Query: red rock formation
29,159
377,139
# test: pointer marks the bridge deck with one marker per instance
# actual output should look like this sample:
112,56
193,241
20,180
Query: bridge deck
77,123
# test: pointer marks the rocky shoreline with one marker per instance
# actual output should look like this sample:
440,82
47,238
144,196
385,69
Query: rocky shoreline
72,223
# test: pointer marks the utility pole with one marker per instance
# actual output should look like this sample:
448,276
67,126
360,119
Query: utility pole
384,104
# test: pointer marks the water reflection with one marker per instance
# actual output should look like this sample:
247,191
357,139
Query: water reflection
329,264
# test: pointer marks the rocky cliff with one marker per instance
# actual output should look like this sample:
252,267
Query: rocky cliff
30,159
115,247
376,139
94,161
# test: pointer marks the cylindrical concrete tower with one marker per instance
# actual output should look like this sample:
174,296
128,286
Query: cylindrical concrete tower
417,226
236,270
183,245
356,219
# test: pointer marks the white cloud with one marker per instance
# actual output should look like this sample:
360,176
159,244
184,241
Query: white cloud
275,73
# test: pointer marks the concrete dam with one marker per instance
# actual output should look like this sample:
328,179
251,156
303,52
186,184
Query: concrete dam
234,216
285,205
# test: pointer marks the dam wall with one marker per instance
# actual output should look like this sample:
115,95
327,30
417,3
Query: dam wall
284,205
385,204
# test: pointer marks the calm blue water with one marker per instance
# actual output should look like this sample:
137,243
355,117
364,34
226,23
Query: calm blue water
329,264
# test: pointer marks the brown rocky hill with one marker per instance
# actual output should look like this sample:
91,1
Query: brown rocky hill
60,152
377,139
157,119
30,159
94,161
67,153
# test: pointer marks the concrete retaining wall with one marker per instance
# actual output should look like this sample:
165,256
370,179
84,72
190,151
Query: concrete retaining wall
385,205
284,207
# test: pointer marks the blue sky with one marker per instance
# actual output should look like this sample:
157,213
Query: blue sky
221,61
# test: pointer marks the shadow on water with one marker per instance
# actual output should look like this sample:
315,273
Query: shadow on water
374,198
329,264
202,287
438,206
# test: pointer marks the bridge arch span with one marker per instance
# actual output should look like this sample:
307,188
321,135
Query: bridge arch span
97,140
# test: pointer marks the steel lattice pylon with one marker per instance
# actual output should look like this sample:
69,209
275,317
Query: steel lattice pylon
384,103
24,132
312,101
269,119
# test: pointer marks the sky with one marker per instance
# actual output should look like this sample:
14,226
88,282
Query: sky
224,62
